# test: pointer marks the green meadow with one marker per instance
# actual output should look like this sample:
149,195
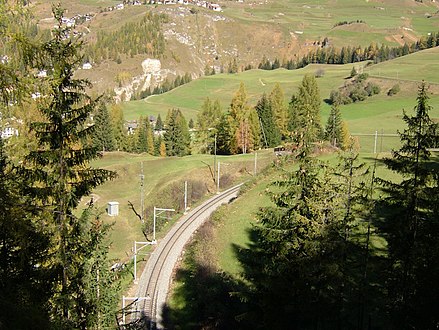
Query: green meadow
380,113
158,174
313,20
419,66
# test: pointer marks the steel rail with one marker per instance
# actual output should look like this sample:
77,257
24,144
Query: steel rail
156,277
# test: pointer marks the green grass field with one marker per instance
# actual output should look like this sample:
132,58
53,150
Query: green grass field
316,19
158,172
380,113
416,67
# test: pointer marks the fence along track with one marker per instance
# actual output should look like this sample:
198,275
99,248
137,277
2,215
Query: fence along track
155,279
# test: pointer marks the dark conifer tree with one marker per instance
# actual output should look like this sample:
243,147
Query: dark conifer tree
411,223
177,137
103,135
334,128
60,175
158,123
24,243
271,136
225,135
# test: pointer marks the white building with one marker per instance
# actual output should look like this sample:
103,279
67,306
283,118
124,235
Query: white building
8,132
113,209
86,66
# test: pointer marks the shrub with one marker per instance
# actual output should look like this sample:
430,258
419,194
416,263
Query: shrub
372,89
362,77
353,72
319,73
394,90
358,94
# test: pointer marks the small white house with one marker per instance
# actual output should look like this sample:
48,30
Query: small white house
86,66
215,7
8,132
42,74
113,209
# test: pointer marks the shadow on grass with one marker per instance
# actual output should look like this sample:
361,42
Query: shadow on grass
210,300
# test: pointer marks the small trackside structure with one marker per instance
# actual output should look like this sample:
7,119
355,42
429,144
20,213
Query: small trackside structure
113,209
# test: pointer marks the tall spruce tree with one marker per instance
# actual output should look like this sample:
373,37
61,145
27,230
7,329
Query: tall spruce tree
271,136
140,136
103,136
24,243
158,123
177,138
60,175
411,222
285,260
118,127
333,129
226,142
304,263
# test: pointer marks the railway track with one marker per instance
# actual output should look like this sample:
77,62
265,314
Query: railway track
156,277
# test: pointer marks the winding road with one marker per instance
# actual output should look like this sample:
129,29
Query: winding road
156,278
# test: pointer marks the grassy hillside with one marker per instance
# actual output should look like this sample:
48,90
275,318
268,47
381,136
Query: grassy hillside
380,113
159,174
250,30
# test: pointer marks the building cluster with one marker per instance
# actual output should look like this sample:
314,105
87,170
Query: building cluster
77,19
199,3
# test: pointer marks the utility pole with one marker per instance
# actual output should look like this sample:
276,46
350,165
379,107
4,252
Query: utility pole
142,178
156,215
136,252
214,159
218,179
375,143
185,197
256,163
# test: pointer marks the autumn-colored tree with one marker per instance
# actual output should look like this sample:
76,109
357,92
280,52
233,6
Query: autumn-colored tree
244,121
279,109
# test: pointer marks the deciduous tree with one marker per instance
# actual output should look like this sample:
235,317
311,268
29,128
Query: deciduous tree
279,109
305,112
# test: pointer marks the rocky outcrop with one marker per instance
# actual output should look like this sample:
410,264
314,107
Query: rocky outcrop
152,76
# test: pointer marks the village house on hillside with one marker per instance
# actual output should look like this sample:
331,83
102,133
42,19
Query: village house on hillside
8,132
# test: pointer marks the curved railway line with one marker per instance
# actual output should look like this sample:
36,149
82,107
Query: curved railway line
156,277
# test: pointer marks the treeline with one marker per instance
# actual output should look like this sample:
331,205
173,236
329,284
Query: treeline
244,128
330,254
358,21
134,38
156,137
166,86
331,55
